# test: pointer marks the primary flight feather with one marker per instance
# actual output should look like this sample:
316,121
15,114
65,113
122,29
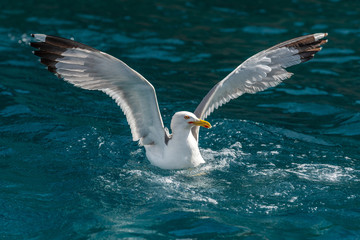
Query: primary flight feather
91,69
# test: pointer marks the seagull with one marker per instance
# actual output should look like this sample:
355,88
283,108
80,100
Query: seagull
89,68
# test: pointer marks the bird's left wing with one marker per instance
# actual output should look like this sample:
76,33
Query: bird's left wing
91,69
261,71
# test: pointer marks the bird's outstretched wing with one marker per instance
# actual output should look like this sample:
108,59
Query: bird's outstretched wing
92,69
264,70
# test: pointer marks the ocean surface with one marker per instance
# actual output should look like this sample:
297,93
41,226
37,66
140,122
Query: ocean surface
280,164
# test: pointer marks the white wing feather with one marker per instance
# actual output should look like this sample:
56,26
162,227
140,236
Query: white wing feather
261,71
91,69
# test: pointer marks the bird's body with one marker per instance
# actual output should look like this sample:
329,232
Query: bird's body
181,150
92,69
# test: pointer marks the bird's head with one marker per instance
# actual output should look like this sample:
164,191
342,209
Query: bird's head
187,120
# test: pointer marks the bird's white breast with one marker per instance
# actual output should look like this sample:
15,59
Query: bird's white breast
182,151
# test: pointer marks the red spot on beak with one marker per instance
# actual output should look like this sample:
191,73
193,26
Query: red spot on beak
201,123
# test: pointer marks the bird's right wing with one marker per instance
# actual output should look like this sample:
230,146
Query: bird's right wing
92,69
261,71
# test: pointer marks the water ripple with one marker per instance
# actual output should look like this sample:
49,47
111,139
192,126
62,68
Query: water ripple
312,108
263,30
324,172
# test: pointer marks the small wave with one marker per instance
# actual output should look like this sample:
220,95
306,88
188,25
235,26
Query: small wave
342,59
4,152
349,127
13,11
49,21
153,52
328,51
30,127
228,30
324,72
167,41
299,136
18,63
263,30
304,91
230,11
207,226
15,110
347,31
320,26
311,108
95,18
199,57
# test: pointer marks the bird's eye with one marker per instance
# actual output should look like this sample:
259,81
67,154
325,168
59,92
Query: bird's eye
186,117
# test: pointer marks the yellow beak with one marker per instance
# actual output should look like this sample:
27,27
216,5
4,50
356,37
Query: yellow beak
201,123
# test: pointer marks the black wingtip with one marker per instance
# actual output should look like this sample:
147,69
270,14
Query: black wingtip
53,70
48,62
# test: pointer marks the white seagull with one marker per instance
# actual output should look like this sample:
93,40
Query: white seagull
91,69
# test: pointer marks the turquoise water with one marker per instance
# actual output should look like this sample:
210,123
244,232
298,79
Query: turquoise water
281,164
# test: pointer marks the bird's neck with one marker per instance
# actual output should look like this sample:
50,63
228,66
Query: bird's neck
184,133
